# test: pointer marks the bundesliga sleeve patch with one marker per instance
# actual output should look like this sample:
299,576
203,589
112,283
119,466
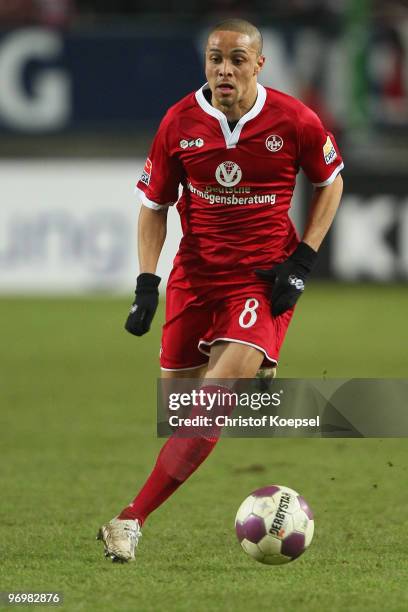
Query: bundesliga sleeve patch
147,172
329,151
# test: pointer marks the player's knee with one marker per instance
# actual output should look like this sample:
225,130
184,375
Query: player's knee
266,373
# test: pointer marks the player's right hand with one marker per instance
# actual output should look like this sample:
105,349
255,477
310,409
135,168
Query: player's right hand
145,305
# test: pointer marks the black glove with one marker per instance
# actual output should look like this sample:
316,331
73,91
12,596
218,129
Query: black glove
145,304
288,278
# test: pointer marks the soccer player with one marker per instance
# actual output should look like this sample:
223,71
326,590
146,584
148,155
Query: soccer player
236,148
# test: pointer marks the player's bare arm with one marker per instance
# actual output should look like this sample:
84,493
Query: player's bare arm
324,205
152,229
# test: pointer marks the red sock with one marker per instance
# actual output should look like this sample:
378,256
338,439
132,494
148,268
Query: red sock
177,460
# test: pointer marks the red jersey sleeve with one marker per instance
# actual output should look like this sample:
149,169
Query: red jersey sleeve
158,185
319,155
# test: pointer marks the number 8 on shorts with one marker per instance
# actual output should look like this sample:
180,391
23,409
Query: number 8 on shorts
248,316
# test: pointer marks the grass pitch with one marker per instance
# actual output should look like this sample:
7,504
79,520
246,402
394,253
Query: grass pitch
78,438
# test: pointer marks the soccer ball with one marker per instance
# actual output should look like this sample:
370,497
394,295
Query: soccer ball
274,525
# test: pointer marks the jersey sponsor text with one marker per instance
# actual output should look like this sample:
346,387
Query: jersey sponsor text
264,198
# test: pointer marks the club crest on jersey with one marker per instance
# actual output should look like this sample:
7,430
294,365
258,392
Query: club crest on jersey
274,143
228,174
147,172
329,151
193,142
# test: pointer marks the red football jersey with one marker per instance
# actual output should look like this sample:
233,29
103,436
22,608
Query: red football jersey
237,185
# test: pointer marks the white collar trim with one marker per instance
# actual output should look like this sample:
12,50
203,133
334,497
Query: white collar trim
231,138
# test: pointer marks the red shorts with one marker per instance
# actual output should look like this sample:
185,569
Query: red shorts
194,322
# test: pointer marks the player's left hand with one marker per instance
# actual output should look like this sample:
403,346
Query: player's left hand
288,278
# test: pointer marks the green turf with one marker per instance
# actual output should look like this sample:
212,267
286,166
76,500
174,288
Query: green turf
78,437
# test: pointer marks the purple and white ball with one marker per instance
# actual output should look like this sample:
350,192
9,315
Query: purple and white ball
274,525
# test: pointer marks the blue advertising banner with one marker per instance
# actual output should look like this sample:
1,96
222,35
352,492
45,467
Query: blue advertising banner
51,81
